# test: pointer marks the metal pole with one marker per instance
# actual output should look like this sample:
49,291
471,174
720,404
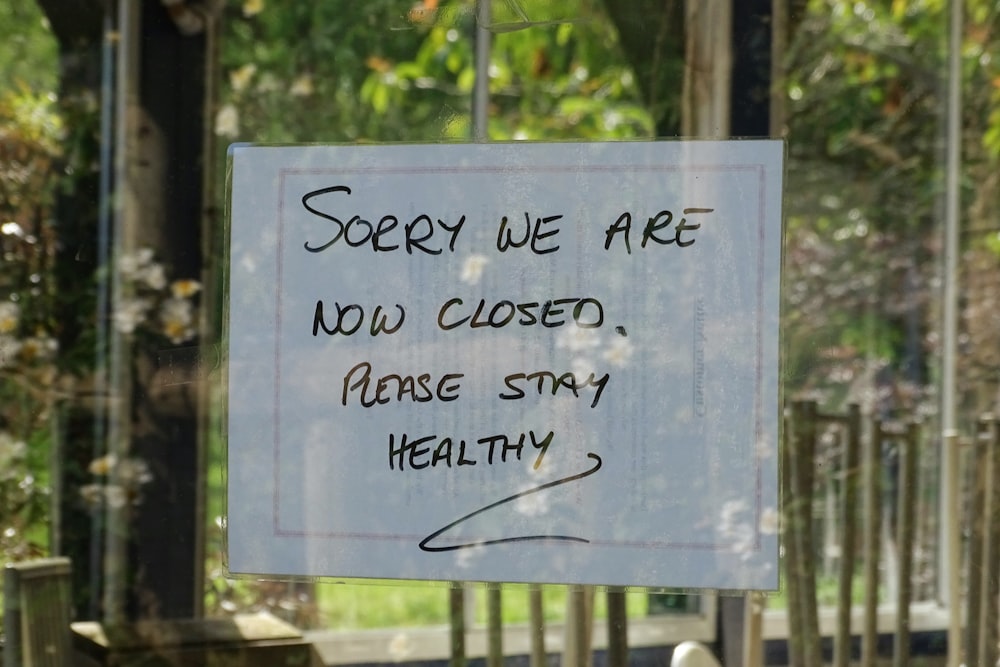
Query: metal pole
481,90
116,537
949,556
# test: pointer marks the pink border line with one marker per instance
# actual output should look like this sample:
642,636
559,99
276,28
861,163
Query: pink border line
758,408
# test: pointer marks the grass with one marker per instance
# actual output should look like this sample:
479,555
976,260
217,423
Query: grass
395,604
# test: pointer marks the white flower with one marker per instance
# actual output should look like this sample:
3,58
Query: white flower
227,121
619,352
184,289
582,367
267,83
102,465
39,348
129,314
130,264
9,348
769,521
302,86
12,229
134,473
10,315
532,504
578,339
731,509
177,318
472,269
252,7
240,77
11,451
92,495
115,496
154,276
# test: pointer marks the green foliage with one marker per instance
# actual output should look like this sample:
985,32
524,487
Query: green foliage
27,49
399,71
294,71
30,133
30,145
24,497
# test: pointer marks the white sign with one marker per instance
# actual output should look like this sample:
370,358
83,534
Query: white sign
546,363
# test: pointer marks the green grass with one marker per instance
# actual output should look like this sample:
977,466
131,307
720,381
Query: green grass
396,604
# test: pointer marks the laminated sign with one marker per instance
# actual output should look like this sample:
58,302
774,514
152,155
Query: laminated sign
552,363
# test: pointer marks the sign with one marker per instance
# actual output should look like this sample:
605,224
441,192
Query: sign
520,362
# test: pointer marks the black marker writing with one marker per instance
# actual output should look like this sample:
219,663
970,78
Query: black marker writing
654,229
587,313
416,453
349,319
507,241
418,389
418,233
426,546
549,381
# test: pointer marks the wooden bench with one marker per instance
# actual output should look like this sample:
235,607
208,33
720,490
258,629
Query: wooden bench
37,607
245,640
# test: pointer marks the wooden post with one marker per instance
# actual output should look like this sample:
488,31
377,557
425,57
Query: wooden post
707,68
456,606
906,511
872,545
977,505
579,615
991,551
617,628
494,622
536,614
753,631
805,475
791,524
849,493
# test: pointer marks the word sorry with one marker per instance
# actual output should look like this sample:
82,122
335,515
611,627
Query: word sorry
422,233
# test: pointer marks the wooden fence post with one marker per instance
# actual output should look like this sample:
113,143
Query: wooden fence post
536,615
456,605
906,511
617,628
977,505
494,629
579,619
872,545
791,501
805,472
804,646
991,550
790,528
849,491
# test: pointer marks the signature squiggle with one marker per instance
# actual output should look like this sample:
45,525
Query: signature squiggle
425,543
